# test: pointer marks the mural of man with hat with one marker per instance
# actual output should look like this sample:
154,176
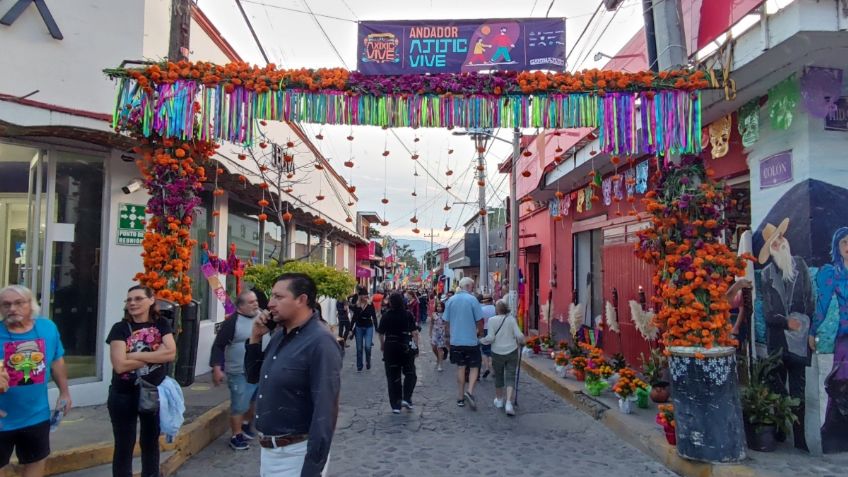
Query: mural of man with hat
787,296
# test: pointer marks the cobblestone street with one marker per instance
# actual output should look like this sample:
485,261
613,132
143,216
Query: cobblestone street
547,437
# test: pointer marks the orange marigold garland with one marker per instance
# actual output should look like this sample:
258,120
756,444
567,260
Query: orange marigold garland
173,176
694,270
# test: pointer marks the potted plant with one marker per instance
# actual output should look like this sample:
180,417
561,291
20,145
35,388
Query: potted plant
765,411
625,388
618,362
533,344
655,369
578,367
561,361
594,384
665,418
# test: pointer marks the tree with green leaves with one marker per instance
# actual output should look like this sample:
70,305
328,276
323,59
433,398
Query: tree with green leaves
331,283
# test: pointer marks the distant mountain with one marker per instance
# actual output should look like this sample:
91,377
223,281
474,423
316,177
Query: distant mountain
419,247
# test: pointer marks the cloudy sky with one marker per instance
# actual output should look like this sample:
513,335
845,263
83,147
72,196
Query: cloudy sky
322,33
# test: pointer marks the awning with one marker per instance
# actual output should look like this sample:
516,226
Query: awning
362,272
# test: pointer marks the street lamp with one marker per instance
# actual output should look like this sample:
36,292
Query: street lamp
513,210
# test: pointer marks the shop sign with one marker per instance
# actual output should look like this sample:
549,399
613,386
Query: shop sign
454,46
130,224
837,120
776,170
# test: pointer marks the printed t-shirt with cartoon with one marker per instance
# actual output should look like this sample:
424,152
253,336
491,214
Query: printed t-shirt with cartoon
27,358
145,336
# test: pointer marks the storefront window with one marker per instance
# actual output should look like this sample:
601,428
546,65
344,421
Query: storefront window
243,231
315,248
331,253
200,228
274,242
75,255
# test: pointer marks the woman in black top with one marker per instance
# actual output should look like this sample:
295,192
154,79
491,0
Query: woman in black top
399,343
140,346
364,320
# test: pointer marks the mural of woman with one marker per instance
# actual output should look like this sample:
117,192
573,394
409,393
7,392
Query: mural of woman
832,279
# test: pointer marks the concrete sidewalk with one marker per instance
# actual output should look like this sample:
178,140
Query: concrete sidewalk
641,431
84,438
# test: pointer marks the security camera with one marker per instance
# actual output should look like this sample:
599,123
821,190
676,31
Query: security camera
128,156
133,186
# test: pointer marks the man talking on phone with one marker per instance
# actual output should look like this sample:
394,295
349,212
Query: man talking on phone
299,379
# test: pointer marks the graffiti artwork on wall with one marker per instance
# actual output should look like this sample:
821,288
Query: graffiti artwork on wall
802,302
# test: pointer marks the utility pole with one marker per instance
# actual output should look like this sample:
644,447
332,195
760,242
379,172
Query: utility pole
431,258
670,37
178,42
480,142
513,222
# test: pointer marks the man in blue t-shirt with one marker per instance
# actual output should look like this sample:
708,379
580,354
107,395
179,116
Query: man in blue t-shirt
465,316
32,353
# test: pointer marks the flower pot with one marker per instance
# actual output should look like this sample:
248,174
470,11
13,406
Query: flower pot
670,436
660,392
595,388
560,371
642,398
625,405
762,438
579,374
706,404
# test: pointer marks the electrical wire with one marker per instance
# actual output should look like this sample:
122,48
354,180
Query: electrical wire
326,36
589,51
568,55
300,11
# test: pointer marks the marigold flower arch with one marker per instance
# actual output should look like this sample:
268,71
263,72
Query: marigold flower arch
179,111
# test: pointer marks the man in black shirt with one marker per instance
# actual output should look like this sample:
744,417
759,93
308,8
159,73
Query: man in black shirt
299,380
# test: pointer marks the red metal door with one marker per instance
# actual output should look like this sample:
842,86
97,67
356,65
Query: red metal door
625,273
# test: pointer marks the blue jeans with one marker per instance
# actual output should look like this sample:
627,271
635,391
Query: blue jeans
242,393
364,338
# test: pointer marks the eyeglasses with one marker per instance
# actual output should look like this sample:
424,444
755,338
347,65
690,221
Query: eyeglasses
135,299
7,305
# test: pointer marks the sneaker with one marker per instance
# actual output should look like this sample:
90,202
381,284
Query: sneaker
368,366
499,404
238,442
460,402
510,411
246,432
358,370
395,411
439,369
406,404
471,401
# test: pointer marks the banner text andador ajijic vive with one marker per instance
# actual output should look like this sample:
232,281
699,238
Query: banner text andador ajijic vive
457,46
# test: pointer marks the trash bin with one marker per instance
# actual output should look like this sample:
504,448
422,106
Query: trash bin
170,312
187,341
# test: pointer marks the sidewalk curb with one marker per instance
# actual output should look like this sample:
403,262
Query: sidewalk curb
192,439
650,443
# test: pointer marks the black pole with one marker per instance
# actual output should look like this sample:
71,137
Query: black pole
650,34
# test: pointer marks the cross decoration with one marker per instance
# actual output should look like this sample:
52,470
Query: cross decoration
18,8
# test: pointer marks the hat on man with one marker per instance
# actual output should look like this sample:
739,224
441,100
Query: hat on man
770,234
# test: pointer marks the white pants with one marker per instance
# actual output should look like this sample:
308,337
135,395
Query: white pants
285,461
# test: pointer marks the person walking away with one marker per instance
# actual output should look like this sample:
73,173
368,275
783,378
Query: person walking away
505,337
411,304
140,345
463,313
343,314
377,301
299,380
227,356
32,354
488,310
398,333
423,307
364,321
438,333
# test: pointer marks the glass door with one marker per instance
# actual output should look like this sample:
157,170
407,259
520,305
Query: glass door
22,206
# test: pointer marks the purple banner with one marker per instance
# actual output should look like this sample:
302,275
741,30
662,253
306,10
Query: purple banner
776,170
455,46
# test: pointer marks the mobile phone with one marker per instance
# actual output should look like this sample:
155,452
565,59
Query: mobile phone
271,324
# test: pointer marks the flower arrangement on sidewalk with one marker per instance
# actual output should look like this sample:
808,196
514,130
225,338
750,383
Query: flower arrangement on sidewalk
533,343
694,270
665,418
626,388
578,367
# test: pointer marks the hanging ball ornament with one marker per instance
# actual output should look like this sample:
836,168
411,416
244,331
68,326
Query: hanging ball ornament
287,216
